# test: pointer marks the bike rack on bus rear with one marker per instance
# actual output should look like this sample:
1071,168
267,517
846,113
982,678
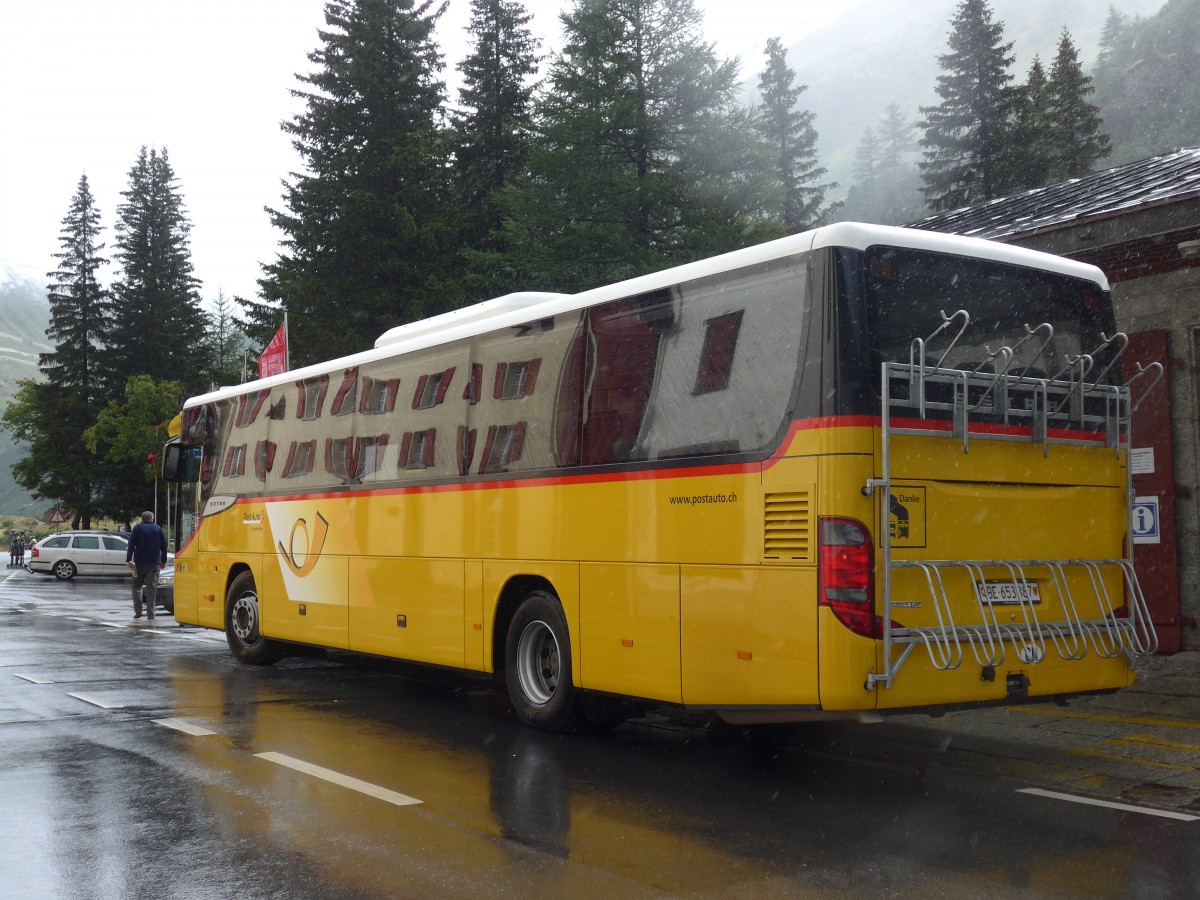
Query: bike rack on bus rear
1064,408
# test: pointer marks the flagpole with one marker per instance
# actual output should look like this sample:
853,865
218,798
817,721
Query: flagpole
287,346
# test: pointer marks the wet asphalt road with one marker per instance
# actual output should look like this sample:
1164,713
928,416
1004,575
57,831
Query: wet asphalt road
144,762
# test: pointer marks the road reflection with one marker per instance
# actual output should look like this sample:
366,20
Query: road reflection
649,807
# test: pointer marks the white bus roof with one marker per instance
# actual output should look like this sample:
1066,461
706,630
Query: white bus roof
516,309
459,317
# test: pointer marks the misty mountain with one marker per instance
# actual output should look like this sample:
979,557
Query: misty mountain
884,52
24,316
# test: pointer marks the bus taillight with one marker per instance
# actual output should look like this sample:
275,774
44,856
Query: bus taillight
847,575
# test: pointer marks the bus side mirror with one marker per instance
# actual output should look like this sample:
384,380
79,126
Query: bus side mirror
174,462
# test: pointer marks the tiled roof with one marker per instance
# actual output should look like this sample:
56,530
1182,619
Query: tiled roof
1148,182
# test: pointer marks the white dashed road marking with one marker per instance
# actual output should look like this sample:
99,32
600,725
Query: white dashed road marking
184,726
97,701
34,679
363,787
1107,804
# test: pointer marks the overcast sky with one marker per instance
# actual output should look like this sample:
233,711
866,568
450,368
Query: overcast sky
84,84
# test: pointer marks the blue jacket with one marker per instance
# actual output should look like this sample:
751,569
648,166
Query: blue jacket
147,545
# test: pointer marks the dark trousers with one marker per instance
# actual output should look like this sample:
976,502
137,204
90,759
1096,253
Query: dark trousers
145,577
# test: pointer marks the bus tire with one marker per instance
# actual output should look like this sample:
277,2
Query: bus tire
242,625
537,664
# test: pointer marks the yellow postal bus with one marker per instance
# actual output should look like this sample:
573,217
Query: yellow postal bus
854,470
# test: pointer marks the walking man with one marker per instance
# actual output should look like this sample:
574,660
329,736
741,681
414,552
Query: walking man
147,554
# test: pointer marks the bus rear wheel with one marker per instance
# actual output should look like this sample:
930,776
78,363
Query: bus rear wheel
242,625
537,664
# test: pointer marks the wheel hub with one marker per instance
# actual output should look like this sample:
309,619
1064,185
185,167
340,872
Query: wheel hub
538,662
245,618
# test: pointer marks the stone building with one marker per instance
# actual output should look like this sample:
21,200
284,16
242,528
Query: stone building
1140,223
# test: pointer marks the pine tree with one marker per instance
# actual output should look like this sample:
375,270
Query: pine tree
644,158
80,308
895,139
1112,37
494,132
370,236
1148,81
1078,143
969,136
157,323
227,342
866,160
885,192
790,134
1035,129
51,416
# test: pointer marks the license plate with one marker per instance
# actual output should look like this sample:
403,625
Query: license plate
1008,593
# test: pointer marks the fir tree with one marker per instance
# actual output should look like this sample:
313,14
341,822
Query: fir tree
1148,81
1112,37
1078,143
494,131
227,342
370,237
969,136
51,416
885,191
157,323
1035,129
895,140
790,134
643,154
80,308
866,160
862,200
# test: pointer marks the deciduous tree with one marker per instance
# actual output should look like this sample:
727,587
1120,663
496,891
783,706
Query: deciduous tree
128,437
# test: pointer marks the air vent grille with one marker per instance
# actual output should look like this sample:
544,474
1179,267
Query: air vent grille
787,534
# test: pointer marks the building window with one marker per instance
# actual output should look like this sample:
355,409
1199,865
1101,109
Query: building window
346,397
368,455
249,406
466,448
716,357
378,395
502,448
515,380
354,458
311,397
300,459
235,462
264,458
472,391
416,450
431,389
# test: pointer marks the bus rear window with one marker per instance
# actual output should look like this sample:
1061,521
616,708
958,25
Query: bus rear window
906,291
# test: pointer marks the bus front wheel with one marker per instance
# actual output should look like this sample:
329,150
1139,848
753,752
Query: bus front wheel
242,625
537,664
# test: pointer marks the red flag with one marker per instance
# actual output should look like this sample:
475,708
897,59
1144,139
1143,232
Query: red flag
274,358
